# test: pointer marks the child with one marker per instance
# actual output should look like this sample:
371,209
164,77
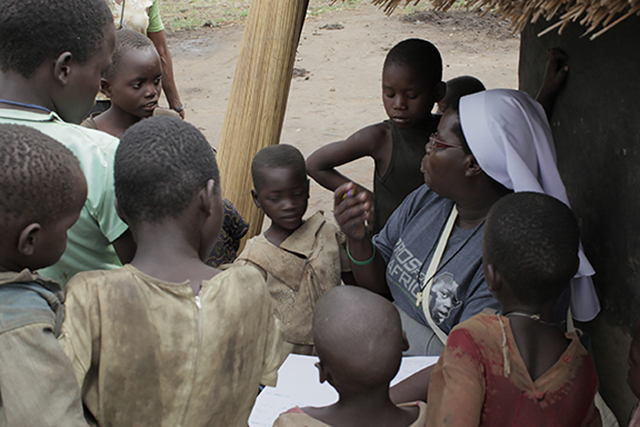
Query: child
42,190
360,342
133,81
168,340
519,368
411,84
456,89
299,259
51,57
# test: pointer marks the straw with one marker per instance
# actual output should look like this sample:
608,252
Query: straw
258,98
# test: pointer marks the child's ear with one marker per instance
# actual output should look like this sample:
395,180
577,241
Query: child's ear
256,200
119,212
405,341
62,68
28,238
493,278
473,167
440,91
207,195
322,373
105,87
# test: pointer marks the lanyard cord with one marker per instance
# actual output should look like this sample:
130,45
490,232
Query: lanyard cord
122,15
20,104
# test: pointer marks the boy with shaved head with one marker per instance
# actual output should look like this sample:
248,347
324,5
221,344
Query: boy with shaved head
359,340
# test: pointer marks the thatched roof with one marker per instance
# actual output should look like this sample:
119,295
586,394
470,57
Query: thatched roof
601,15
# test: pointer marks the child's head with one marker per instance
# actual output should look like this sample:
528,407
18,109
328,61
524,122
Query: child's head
72,39
411,82
166,170
280,185
42,190
457,88
633,377
531,243
133,81
359,339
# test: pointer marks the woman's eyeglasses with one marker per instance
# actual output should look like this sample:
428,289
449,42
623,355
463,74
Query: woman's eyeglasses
436,143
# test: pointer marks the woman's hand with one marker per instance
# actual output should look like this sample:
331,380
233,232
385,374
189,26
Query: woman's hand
353,209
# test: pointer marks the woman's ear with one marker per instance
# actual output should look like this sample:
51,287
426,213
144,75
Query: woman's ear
28,238
473,167
62,68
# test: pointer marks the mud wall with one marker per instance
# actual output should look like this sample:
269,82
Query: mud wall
596,125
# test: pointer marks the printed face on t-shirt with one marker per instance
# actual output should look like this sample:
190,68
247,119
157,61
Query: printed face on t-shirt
444,297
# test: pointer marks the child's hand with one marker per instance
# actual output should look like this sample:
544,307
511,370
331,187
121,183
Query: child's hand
353,208
556,71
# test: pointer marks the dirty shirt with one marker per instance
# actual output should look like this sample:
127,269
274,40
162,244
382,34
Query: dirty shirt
307,264
151,353
37,386
475,384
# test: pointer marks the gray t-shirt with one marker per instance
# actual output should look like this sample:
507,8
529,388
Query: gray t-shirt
407,243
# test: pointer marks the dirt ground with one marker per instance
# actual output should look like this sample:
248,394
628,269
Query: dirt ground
336,88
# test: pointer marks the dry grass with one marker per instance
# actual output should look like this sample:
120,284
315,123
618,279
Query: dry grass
194,14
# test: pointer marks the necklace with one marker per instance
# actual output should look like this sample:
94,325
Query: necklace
535,317
20,104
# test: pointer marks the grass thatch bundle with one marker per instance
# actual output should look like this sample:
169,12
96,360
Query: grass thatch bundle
594,14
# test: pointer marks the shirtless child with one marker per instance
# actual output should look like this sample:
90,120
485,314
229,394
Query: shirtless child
359,340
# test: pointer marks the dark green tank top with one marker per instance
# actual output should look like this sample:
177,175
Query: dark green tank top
403,174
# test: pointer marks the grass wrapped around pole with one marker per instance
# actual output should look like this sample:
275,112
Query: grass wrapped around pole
258,99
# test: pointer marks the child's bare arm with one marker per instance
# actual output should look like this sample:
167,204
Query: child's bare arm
367,142
554,79
415,387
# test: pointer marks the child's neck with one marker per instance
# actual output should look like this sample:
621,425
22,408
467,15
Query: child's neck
14,87
168,252
276,235
371,408
115,121
540,342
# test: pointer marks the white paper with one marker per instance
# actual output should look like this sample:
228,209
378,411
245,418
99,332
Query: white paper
299,385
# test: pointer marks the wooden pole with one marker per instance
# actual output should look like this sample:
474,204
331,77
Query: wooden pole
258,99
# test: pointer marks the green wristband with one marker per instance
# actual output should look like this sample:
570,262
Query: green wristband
369,261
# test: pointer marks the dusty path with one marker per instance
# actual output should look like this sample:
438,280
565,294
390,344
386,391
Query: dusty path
340,91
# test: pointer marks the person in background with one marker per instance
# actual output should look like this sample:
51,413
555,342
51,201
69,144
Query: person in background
143,16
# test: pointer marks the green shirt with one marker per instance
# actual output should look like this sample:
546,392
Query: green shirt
89,240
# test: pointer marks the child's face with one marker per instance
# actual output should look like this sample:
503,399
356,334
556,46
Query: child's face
137,83
407,97
79,94
633,377
283,195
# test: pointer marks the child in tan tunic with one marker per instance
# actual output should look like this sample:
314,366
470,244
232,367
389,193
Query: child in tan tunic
168,340
300,260
360,341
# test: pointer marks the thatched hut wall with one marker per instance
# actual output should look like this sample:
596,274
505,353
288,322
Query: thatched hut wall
596,125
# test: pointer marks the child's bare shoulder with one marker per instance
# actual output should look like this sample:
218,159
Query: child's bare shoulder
374,136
